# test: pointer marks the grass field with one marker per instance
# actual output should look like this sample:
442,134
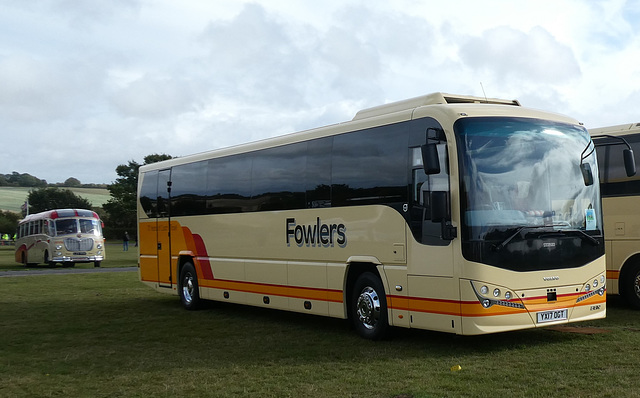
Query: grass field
107,335
11,198
115,258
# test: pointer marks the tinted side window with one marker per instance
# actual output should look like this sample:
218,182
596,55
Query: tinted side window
229,184
370,166
613,177
163,205
277,178
149,193
188,189
318,173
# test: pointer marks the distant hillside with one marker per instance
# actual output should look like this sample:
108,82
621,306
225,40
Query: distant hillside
12,198
16,179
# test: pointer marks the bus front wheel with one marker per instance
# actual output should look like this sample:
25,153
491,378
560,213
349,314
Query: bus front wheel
369,307
632,285
188,289
47,261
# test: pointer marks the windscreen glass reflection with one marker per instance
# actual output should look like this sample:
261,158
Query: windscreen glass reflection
521,181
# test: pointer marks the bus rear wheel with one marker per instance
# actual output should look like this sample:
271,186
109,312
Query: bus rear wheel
188,289
368,306
632,285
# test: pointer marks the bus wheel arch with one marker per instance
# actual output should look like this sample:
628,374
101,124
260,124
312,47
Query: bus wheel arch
629,283
366,301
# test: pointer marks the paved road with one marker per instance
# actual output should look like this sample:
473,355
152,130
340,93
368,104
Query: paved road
54,271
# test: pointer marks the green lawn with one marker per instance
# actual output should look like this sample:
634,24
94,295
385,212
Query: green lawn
107,335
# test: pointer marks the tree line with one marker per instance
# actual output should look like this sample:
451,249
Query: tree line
16,179
118,214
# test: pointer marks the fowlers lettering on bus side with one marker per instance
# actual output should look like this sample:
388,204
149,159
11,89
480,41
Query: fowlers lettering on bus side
317,234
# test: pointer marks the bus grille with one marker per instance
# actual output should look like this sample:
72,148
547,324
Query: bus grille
78,245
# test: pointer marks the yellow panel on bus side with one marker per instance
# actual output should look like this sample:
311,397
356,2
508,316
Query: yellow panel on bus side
310,275
434,303
272,272
397,301
621,251
148,249
622,235
228,268
164,252
335,289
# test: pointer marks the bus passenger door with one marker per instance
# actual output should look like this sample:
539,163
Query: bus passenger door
433,289
164,228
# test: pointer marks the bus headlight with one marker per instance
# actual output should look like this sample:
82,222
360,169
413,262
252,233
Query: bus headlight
58,254
496,297
58,247
99,245
597,286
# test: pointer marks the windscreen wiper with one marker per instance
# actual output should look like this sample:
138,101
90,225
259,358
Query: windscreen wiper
583,235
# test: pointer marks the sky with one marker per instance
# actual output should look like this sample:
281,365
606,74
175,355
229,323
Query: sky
88,85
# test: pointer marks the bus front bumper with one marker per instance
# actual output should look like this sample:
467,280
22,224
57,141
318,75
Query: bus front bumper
77,259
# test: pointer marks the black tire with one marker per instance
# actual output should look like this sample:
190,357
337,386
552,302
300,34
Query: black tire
368,307
96,264
47,260
188,288
631,285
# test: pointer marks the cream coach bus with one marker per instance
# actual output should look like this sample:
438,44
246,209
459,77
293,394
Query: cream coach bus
62,236
621,209
443,212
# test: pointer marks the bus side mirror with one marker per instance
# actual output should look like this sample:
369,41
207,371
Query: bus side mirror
587,175
430,159
629,162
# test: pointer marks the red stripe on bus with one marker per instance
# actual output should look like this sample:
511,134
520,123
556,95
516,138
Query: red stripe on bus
203,257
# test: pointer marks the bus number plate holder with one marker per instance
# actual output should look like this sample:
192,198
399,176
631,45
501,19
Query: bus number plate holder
553,315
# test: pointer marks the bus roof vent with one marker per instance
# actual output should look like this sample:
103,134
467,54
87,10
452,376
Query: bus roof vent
429,99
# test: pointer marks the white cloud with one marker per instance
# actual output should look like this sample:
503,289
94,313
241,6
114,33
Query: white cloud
533,55
43,89
156,97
